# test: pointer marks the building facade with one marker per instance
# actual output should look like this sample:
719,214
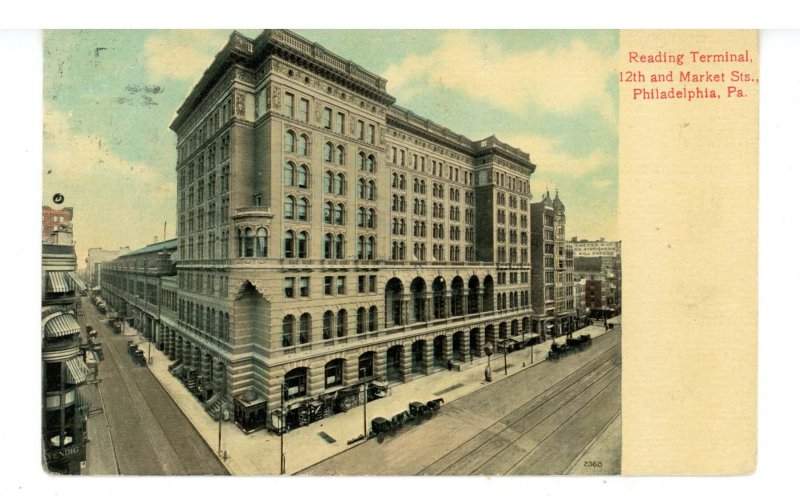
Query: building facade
94,260
552,280
64,408
327,235
55,220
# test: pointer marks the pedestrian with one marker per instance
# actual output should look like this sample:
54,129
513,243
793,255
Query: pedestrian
449,365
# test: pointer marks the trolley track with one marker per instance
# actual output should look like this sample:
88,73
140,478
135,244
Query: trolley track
504,435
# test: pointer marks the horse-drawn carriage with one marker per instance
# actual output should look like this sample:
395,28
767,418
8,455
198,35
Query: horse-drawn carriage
416,413
572,345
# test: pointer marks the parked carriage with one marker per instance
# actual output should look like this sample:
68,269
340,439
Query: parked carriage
572,345
417,412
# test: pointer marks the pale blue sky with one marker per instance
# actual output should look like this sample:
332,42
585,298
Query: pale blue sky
109,97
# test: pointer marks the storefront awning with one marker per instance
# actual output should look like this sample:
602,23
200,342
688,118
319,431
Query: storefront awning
62,324
77,371
83,402
77,281
59,282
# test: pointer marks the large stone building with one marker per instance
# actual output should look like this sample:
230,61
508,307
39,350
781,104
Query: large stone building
551,282
327,235
600,260
55,220
63,368
94,260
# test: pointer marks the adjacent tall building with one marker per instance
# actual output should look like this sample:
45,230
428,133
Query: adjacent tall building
95,259
63,368
551,284
600,263
327,235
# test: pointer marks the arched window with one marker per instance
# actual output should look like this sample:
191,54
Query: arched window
362,186
360,160
371,219
341,323
288,174
327,325
302,245
370,248
302,176
302,209
395,226
288,244
339,246
402,203
248,242
371,190
402,227
416,185
327,182
422,186
338,214
361,320
370,164
340,155
328,213
395,203
287,337
239,243
402,181
288,207
261,242
304,336
302,145
327,246
327,152
394,180
395,250
360,247
402,253
339,184
289,142
422,207
360,217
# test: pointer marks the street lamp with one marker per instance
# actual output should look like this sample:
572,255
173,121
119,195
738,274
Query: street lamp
488,349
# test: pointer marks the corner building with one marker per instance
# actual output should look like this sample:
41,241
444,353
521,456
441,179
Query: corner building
327,235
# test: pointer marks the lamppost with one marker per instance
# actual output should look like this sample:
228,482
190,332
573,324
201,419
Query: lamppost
283,428
364,380
488,349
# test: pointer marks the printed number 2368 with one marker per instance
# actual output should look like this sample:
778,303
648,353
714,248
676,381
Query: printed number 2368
593,463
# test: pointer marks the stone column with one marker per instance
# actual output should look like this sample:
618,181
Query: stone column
427,357
479,352
448,348
316,380
405,362
350,372
464,346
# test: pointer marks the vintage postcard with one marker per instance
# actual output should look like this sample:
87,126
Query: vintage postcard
399,252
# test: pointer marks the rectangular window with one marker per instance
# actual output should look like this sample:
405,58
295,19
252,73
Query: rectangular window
304,283
340,285
303,114
373,284
288,287
340,122
288,105
327,118
360,130
328,285
362,284
371,134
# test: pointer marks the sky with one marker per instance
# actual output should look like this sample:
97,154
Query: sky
110,95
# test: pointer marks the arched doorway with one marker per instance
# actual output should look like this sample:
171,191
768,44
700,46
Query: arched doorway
457,296
394,364
473,294
474,343
394,302
488,293
366,365
440,351
458,344
418,357
418,288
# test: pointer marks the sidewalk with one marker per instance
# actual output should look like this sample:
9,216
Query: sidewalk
259,453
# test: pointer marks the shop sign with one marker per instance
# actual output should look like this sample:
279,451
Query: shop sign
65,453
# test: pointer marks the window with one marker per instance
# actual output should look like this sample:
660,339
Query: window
288,105
361,320
289,142
302,176
327,325
303,110
288,207
302,209
339,246
341,323
288,331
302,245
360,130
327,152
371,134
340,285
328,285
304,286
302,145
373,283
362,284
340,122
327,116
328,213
305,329
333,372
288,287
288,244
340,155
288,174
261,243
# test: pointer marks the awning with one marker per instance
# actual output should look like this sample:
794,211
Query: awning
61,324
77,280
515,339
82,402
77,371
59,282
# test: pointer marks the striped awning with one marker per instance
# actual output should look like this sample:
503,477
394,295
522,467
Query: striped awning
77,371
77,281
83,402
62,324
58,281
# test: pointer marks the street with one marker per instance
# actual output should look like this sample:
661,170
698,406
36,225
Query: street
553,418
140,431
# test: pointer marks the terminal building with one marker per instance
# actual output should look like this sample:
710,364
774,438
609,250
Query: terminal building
327,236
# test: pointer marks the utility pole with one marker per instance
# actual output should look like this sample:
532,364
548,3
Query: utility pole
283,428
364,380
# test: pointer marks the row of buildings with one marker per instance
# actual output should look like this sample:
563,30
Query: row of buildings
64,369
327,236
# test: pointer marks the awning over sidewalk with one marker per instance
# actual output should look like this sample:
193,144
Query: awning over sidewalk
58,281
77,281
83,402
77,371
61,324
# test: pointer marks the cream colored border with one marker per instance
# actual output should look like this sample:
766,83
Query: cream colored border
689,221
